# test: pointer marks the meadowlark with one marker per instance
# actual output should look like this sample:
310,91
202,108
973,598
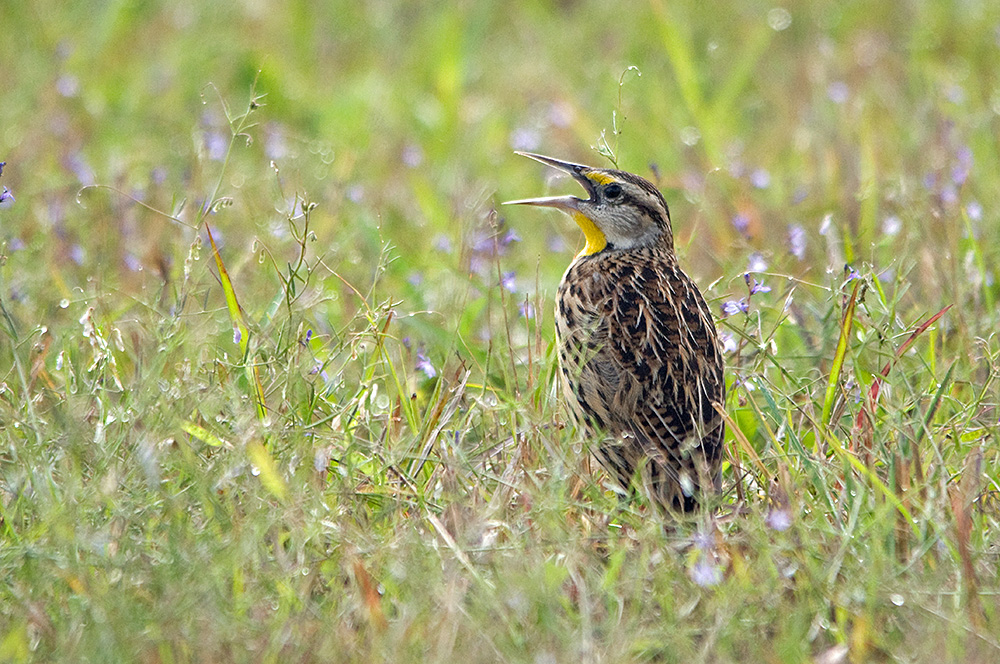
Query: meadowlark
638,348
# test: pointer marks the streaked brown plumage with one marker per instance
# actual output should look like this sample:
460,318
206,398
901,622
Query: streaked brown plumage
638,348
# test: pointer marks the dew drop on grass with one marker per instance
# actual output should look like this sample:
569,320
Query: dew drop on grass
690,135
63,303
897,599
255,471
382,401
779,19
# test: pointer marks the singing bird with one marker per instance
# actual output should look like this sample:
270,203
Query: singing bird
638,348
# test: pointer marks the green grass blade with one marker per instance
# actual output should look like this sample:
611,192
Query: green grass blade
236,315
838,358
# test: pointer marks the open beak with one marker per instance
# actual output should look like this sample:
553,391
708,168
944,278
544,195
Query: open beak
562,202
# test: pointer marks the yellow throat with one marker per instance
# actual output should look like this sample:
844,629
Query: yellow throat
596,240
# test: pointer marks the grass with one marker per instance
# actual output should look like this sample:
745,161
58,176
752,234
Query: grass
277,380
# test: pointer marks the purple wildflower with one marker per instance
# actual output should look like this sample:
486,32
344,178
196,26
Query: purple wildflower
309,335
837,92
741,222
356,193
442,243
780,520
974,210
412,155
797,241
556,244
132,262
757,286
275,145
949,194
733,307
527,310
424,364
508,281
729,344
891,225
6,198
703,540
851,273
760,178
525,138
510,236
757,262
217,145
704,573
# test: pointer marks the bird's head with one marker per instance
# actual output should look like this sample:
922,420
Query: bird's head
623,211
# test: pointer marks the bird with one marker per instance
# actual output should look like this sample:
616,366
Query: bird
638,349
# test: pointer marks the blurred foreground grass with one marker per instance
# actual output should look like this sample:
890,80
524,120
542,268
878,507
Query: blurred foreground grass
370,463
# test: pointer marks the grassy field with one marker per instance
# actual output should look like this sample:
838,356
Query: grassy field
366,458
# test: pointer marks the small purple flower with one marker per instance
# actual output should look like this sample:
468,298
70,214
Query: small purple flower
703,540
132,262
780,520
757,262
837,92
556,244
216,144
729,344
757,286
851,273
733,307
309,335
442,243
237,334
525,138
760,178
415,279
508,282
510,236
424,364
6,198
275,145
412,155
527,310
741,222
949,194
974,210
704,573
356,193
826,224
797,241
891,225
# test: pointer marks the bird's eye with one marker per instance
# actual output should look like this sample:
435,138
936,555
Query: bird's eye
612,191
